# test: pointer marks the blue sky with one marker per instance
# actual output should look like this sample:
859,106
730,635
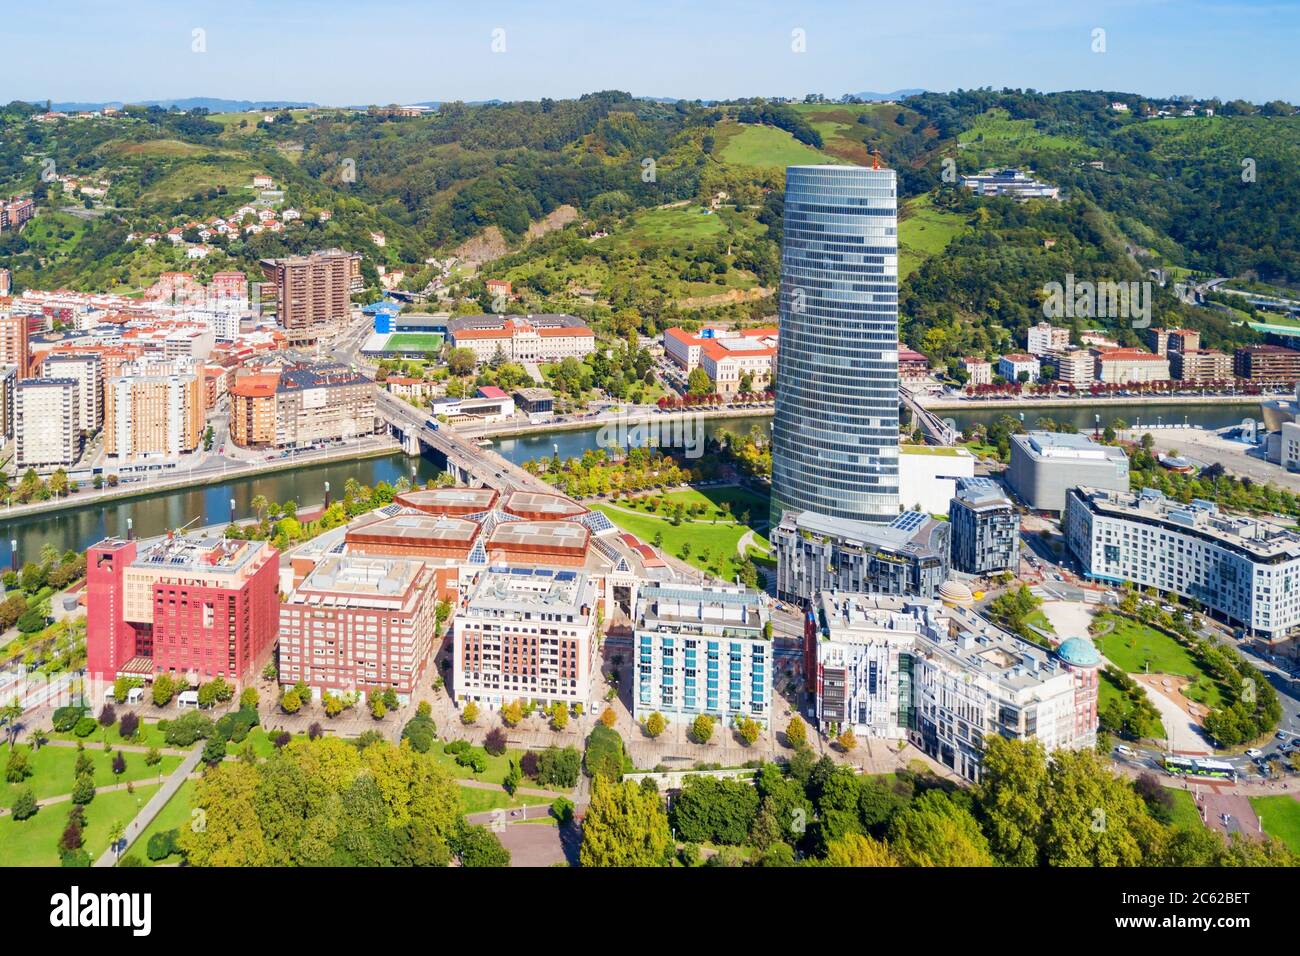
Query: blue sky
355,51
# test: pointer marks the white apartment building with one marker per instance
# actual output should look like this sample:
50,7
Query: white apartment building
946,679
1010,367
1243,568
1129,366
701,650
1075,367
45,424
526,633
87,368
1044,339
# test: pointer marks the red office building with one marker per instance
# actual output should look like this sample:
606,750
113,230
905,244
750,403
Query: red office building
189,606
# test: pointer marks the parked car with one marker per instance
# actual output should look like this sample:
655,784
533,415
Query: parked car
1125,751
1254,753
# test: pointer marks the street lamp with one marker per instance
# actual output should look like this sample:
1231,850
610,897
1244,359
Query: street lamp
232,510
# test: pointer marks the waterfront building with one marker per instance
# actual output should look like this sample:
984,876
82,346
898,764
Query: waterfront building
1012,366
1244,568
1044,339
979,371
1199,366
701,650
152,416
46,432
1267,363
322,402
87,368
1045,464
1130,366
1077,367
522,338
835,431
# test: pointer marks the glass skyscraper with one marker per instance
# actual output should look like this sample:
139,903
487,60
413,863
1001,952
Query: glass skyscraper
835,434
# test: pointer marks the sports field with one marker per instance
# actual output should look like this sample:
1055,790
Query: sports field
413,342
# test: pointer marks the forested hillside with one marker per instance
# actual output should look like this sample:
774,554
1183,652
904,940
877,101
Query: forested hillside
659,213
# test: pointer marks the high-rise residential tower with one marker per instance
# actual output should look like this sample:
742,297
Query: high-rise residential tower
835,434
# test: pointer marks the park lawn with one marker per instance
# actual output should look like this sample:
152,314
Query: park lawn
262,742
719,539
1280,816
54,771
1040,621
1132,645
1185,812
35,841
147,736
764,146
497,767
174,815
739,499
477,800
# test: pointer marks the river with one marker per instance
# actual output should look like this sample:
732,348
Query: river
78,528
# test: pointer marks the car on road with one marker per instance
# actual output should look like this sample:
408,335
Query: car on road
1125,751
1281,735
1254,753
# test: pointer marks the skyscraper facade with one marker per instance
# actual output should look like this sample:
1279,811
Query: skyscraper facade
835,434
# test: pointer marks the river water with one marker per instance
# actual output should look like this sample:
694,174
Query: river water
78,528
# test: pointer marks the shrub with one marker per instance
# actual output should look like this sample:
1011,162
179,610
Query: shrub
65,718
421,732
424,710
702,729
85,727
107,716
24,805
162,845
609,717
74,858
528,763
282,739
562,810
495,742
119,763
129,726
152,758
315,731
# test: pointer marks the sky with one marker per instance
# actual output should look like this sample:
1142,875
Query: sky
356,52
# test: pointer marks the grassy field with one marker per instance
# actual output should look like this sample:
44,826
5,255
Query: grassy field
54,771
995,139
476,800
497,767
924,231
714,540
1185,812
34,842
413,342
763,146
712,498
1281,818
1136,648
174,815
148,736
189,178
850,131
160,149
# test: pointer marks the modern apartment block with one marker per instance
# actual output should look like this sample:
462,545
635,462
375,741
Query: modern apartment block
1015,183
189,605
16,213
1077,367
1045,338
150,417
1130,366
1200,365
701,650
252,410
910,556
946,679
526,633
357,624
1267,363
87,368
15,348
835,431
1045,464
1171,341
322,402
313,291
522,338
8,396
46,428
985,528
1245,569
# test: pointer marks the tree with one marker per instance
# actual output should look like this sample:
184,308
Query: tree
624,826
702,729
847,741
712,810
24,806
119,763
854,849
935,830
479,846
290,702
214,751
164,689
655,725
18,768
495,742
749,730
378,709
1010,797
107,716
469,715
461,361
559,715
608,717
796,732
512,713
557,767
249,698
698,382
514,776
83,791
129,725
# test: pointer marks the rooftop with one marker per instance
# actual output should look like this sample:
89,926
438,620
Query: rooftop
357,582
531,590
722,611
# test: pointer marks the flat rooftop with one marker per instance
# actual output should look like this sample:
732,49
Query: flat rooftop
532,590
450,500
418,529
551,535
537,504
352,581
201,553
1066,446
701,610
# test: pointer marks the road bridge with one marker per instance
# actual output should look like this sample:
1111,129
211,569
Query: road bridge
936,430
470,464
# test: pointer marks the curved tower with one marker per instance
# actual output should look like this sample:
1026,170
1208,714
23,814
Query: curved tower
835,434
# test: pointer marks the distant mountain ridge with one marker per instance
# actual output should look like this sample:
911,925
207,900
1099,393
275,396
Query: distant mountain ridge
211,103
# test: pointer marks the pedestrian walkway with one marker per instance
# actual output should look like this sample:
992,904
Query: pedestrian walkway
155,804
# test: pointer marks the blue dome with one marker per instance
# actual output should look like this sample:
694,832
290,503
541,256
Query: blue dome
1079,652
